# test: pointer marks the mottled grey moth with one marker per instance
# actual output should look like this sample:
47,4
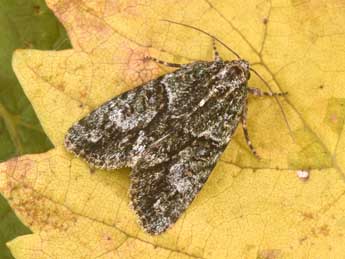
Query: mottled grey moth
171,131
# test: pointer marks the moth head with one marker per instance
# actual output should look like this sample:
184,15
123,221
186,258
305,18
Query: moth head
238,69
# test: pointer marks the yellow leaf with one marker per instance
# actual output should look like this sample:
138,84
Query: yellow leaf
248,208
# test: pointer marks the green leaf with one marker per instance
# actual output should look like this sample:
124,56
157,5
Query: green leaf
23,24
10,228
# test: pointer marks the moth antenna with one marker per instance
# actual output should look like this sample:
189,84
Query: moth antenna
279,104
204,32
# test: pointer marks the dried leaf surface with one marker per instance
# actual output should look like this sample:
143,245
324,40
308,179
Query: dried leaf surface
248,208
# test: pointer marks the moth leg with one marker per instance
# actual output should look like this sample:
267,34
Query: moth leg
215,51
258,92
163,62
245,131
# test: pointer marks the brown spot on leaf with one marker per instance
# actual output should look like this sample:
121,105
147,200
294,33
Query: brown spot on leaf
307,216
136,69
128,8
269,254
31,205
61,87
37,9
324,230
302,239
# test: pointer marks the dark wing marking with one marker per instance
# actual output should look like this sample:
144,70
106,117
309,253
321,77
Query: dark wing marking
172,170
115,134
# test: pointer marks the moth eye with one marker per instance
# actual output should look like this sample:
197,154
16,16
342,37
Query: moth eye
235,71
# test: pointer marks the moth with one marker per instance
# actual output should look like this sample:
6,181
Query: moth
171,131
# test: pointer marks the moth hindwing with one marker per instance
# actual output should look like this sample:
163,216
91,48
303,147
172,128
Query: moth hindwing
171,131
